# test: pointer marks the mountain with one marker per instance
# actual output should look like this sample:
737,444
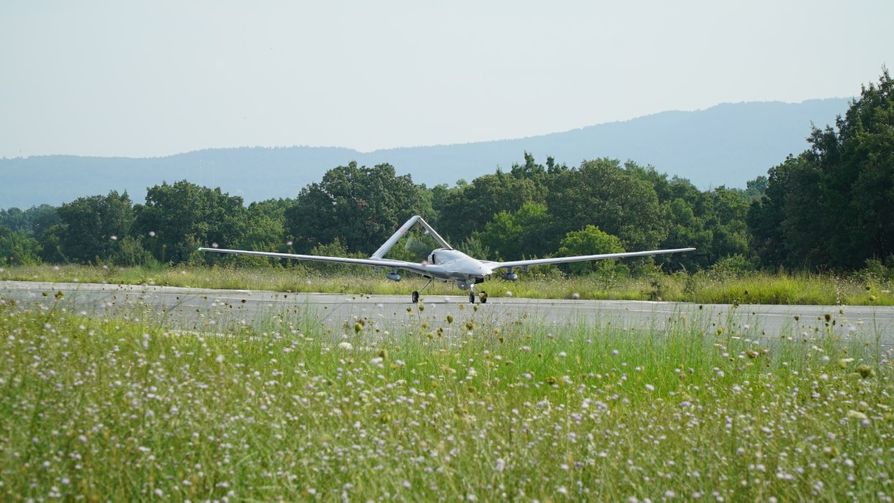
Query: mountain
726,144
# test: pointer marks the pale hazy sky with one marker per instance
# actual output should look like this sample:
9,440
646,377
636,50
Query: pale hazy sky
141,78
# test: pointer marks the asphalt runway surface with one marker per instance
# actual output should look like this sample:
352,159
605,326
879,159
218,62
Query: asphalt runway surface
217,310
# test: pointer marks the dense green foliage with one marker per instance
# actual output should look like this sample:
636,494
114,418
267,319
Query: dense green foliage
358,205
179,218
90,228
831,207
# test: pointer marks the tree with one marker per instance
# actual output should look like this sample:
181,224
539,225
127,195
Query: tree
755,189
590,241
18,248
179,218
831,206
466,209
360,206
265,229
616,200
725,220
519,234
90,228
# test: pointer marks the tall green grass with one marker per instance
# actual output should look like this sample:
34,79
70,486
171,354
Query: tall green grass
702,287
115,409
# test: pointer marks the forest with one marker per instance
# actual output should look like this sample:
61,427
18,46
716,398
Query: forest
829,208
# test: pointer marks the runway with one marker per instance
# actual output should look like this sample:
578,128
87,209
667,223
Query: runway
203,309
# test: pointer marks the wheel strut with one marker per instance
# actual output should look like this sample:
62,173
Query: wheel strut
416,292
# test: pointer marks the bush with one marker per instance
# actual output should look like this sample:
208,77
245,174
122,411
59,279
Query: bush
132,253
18,248
732,266
876,270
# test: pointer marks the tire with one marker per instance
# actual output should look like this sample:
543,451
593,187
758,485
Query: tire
472,297
415,297
483,297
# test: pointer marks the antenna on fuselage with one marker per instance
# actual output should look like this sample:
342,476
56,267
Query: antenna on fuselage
387,245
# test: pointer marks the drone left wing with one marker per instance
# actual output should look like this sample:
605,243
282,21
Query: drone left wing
582,258
374,262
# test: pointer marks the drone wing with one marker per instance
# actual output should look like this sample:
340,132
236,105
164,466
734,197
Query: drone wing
583,258
373,262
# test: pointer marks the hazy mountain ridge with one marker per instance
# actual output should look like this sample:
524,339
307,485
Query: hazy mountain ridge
726,144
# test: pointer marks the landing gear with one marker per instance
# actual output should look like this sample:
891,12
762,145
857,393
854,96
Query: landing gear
415,296
482,295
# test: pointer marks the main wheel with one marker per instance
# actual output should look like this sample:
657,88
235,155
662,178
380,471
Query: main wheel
483,296
472,297
415,297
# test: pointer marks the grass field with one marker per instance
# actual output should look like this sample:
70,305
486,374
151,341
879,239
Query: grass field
757,288
124,409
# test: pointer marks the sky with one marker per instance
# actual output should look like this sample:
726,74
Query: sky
152,78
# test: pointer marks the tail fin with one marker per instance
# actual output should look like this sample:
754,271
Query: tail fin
403,230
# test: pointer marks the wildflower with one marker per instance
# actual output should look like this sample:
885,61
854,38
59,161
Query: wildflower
501,465
855,414
219,359
649,387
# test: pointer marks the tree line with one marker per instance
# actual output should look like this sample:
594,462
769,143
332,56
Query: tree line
829,207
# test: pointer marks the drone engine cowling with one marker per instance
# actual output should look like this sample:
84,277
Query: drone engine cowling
393,276
510,276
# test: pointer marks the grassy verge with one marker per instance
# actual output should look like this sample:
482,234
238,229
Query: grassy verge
758,288
128,409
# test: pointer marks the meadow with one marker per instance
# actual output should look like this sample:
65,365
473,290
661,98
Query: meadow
706,287
122,408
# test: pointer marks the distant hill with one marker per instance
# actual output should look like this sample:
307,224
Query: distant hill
723,145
